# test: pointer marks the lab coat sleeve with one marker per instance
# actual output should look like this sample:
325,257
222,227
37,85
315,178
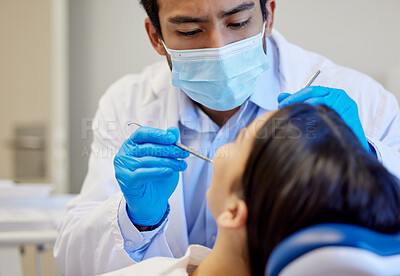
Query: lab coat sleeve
385,138
143,245
99,246
96,235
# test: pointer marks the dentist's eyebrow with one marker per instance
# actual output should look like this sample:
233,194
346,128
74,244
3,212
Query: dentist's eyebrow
187,19
237,9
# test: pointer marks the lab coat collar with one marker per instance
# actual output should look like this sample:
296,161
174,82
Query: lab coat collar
295,65
191,115
162,82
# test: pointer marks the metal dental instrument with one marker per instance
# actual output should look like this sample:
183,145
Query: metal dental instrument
179,145
312,79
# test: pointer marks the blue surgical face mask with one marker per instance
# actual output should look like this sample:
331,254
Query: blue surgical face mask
220,78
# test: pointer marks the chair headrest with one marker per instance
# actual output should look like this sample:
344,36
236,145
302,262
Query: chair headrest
330,234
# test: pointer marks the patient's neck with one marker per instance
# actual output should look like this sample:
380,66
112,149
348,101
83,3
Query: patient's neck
228,257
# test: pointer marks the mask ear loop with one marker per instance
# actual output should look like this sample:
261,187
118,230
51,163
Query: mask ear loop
262,37
263,30
165,47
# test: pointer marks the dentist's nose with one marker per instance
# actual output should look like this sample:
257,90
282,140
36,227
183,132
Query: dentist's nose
217,39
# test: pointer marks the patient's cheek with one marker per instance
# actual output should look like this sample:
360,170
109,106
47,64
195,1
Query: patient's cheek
212,200
225,154
221,152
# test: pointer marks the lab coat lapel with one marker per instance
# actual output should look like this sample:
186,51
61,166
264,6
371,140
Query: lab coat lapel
176,233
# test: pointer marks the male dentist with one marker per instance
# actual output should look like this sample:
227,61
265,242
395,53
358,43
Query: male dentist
224,67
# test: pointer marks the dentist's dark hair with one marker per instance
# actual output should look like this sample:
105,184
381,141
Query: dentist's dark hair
151,8
307,167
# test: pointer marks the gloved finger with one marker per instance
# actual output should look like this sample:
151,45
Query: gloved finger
316,101
342,102
170,151
175,132
151,174
152,135
283,96
338,100
305,94
151,162
127,178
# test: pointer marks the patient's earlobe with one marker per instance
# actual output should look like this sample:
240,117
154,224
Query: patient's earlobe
234,216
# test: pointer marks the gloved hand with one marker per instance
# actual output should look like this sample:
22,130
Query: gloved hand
147,169
336,99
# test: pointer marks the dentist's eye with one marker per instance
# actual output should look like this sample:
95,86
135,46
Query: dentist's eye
239,25
189,34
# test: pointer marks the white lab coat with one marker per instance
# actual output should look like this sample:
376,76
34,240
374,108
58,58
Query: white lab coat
90,240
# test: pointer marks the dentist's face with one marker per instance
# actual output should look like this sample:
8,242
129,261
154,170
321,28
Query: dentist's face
196,24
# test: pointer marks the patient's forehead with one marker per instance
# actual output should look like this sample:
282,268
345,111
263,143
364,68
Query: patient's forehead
250,132
260,121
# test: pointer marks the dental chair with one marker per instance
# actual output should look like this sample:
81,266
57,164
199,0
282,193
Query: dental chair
336,249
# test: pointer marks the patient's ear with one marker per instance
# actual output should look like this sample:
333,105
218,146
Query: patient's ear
235,214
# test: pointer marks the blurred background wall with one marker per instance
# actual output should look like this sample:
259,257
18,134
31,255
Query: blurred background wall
107,41
361,34
25,87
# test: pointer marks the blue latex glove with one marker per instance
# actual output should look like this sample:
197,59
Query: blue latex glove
336,99
147,169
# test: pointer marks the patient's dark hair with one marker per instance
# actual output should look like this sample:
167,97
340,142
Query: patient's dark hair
151,8
307,167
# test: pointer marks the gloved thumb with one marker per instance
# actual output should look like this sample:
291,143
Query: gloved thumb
175,132
283,96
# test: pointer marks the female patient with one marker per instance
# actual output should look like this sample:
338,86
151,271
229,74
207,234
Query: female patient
290,169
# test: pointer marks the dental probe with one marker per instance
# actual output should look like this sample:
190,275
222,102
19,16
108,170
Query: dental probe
179,145
312,79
